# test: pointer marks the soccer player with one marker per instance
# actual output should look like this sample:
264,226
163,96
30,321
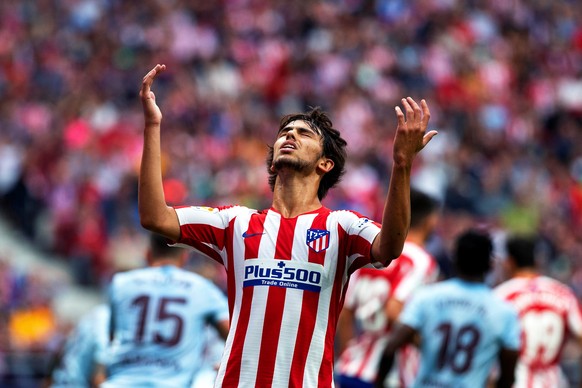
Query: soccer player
83,351
375,298
287,266
158,318
548,311
464,328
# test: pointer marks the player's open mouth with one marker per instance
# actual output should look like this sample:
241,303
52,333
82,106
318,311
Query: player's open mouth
288,146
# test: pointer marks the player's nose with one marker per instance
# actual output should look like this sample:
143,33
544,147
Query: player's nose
291,133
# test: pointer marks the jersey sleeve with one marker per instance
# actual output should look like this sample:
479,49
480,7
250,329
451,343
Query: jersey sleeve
413,313
204,229
511,333
217,303
575,317
102,319
361,233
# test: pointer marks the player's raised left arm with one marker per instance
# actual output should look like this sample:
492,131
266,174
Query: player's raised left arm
410,138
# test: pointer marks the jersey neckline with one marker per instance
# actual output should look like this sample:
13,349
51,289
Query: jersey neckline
320,209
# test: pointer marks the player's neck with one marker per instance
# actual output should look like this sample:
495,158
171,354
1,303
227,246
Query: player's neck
525,273
294,195
471,279
417,237
165,262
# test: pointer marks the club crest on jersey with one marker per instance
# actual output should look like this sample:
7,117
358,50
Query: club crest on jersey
283,273
318,239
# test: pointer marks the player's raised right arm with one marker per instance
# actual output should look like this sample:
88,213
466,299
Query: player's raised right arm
155,215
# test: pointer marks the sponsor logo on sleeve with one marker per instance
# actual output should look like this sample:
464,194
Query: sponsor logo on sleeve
362,222
283,273
204,208
318,239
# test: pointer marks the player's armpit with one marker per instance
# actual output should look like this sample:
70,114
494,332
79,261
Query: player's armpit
507,362
222,327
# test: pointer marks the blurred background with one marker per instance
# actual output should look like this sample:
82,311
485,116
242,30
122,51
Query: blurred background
503,79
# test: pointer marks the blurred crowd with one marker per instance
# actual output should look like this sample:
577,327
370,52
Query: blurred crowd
503,79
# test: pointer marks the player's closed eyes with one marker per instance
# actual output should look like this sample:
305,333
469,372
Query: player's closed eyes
301,131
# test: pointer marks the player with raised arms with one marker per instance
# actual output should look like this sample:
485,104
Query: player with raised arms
287,266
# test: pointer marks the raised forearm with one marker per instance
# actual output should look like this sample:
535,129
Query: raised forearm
154,213
151,201
410,138
396,216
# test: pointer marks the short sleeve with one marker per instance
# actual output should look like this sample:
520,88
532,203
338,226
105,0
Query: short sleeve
204,229
217,304
511,334
361,233
575,317
413,313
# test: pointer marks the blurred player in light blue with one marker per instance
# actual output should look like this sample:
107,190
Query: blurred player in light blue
158,319
464,328
83,351
213,349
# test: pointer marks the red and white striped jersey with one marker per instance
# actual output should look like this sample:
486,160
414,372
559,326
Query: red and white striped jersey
286,285
548,312
368,295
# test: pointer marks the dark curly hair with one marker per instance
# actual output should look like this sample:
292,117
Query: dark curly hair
473,252
521,250
334,147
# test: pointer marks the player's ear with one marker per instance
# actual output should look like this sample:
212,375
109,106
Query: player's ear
325,165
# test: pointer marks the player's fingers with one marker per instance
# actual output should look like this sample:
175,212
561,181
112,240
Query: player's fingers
409,111
148,79
399,116
425,114
416,109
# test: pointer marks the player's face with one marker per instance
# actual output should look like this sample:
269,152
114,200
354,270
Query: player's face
298,146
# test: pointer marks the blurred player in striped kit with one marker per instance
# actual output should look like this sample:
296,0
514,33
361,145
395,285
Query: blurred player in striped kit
158,321
287,266
548,310
464,328
375,299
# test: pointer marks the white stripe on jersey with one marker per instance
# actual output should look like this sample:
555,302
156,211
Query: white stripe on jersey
553,299
293,304
359,234
254,334
238,248
316,350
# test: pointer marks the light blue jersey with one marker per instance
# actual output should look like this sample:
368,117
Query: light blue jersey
83,349
158,321
463,326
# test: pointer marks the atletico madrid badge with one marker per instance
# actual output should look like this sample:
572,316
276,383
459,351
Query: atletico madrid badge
318,239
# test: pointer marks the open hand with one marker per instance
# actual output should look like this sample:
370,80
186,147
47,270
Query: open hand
151,111
411,135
